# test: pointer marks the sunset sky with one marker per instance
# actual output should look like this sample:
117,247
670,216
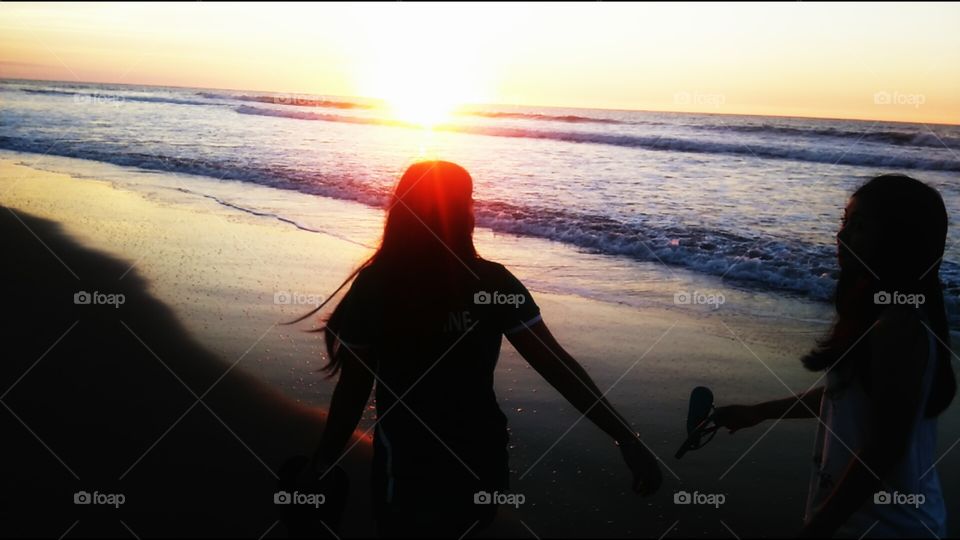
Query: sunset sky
886,61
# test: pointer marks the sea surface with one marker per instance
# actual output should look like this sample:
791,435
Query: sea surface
752,202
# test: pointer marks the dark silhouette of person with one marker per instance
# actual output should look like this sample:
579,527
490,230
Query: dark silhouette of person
887,366
424,319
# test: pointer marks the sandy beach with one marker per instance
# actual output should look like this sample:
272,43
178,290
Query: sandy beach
104,398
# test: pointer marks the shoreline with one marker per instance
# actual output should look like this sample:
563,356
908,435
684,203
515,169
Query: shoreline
218,270
359,223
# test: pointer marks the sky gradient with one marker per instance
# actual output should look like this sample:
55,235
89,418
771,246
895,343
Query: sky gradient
885,62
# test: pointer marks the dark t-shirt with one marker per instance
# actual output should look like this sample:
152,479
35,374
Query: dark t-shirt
435,349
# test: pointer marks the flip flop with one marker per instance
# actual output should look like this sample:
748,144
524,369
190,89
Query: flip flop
699,421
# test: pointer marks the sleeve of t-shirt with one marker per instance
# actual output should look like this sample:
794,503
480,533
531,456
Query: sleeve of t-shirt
357,326
514,306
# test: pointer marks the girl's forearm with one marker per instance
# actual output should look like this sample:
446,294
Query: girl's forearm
346,408
804,406
583,393
568,377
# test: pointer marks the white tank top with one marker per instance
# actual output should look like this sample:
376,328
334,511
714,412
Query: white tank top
845,409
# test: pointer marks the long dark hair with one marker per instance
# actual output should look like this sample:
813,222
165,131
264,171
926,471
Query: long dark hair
427,244
903,224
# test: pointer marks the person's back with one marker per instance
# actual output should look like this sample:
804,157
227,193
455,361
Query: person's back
439,427
423,321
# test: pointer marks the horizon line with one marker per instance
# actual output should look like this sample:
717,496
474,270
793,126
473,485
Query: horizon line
612,109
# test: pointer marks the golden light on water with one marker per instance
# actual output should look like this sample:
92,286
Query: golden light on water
425,107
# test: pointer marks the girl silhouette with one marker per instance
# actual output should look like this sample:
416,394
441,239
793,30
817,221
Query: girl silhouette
424,319
888,373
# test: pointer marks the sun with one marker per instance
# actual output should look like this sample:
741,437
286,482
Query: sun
422,76
424,90
424,106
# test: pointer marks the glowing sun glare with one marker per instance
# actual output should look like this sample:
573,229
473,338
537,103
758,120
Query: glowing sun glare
425,106
423,76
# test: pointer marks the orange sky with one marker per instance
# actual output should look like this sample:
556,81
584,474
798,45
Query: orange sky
878,61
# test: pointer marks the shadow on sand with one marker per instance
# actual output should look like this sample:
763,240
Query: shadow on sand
104,399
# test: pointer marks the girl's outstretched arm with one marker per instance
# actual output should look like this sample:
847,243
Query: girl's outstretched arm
737,417
563,372
349,398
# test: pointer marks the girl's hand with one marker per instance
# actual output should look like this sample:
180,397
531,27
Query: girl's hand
737,417
646,471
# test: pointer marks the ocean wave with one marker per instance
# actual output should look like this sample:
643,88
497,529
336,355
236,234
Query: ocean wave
292,100
326,117
760,262
113,96
921,137
776,264
813,154
927,138
296,101
566,118
278,177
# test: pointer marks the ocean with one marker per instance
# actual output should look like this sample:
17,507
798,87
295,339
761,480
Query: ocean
751,202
